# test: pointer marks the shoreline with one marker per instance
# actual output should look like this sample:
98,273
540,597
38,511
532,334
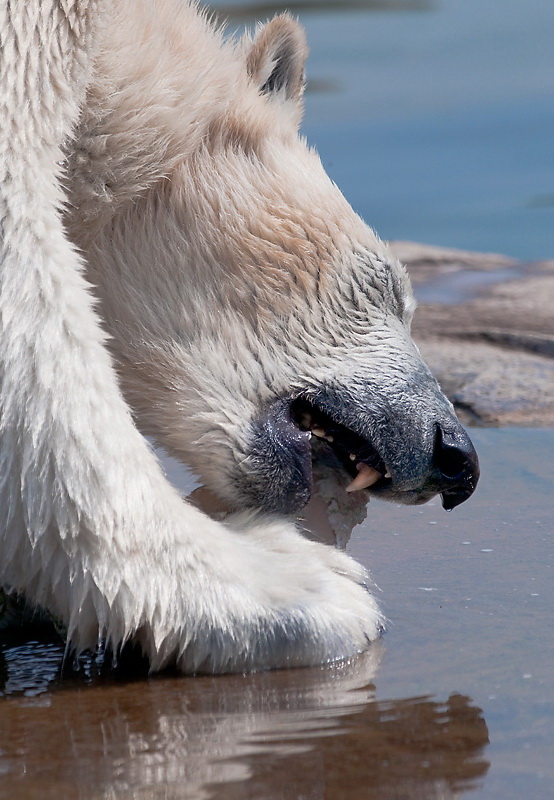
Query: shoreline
485,327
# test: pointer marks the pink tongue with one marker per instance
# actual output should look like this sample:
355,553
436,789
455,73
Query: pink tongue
366,477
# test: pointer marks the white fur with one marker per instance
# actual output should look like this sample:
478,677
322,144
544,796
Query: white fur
89,526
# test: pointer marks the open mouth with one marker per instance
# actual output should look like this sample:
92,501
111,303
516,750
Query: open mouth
356,454
401,461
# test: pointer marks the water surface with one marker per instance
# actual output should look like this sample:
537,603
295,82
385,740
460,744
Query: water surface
435,118
457,699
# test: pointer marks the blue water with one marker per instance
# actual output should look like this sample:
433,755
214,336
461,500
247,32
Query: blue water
438,123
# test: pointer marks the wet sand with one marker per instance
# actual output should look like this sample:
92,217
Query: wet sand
467,658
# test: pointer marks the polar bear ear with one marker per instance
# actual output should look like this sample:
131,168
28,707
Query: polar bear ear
277,58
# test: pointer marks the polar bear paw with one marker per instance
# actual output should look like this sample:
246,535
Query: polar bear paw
273,599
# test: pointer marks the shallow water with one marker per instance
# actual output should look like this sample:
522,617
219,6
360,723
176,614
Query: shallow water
454,287
467,658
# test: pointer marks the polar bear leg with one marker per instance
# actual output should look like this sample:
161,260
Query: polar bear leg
89,527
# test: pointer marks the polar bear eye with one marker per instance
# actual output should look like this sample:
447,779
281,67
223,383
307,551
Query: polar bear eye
399,294
383,283
399,297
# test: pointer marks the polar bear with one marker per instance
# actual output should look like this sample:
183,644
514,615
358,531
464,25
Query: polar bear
176,262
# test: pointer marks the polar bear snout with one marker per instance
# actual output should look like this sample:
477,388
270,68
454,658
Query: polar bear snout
458,465
402,457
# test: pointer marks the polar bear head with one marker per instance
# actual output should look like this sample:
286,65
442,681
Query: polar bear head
257,321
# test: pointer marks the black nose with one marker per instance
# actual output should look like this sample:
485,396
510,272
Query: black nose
457,462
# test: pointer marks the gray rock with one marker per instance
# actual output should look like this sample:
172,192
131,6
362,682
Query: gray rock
485,325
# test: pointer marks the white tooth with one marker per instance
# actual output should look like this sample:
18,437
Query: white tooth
352,456
366,477
330,438
319,432
387,475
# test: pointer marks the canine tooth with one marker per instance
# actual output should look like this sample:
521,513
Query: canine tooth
387,475
366,477
319,432
330,438
352,456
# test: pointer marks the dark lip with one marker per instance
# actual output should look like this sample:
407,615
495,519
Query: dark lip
452,473
339,439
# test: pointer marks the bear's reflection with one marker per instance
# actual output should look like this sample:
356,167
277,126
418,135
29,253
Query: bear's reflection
306,733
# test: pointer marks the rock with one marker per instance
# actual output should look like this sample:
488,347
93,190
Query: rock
485,325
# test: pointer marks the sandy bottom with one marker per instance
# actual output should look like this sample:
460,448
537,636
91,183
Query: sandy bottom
457,699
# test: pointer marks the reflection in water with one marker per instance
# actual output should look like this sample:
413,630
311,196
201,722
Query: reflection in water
310,733
262,10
